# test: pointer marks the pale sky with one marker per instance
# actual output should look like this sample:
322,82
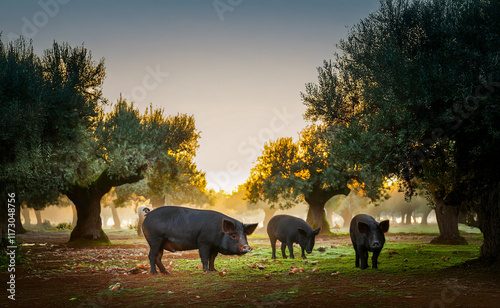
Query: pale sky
238,66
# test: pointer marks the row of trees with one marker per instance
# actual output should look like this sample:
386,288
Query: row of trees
57,140
412,95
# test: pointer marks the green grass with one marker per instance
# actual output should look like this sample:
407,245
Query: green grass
431,229
397,259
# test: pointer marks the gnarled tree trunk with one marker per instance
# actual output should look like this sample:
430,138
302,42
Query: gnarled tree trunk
425,216
489,223
316,217
447,219
87,201
75,215
316,200
346,215
25,211
38,215
116,218
268,214
19,225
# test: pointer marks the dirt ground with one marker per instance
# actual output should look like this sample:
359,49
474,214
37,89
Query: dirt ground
54,277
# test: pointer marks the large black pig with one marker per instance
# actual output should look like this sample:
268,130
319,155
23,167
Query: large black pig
367,235
176,228
288,230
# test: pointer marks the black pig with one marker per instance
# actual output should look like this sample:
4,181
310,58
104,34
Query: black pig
176,228
289,229
367,235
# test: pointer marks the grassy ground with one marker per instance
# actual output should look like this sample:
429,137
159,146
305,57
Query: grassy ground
411,273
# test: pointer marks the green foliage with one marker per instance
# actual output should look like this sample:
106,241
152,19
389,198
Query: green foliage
64,226
58,140
406,80
289,172
46,105
414,95
166,144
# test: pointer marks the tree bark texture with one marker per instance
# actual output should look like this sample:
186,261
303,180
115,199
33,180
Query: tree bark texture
25,211
489,223
19,225
268,214
316,200
75,215
447,219
87,201
116,218
425,216
38,215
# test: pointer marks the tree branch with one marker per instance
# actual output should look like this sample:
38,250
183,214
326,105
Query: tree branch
104,182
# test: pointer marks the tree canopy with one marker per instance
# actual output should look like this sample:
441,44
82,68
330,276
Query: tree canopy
415,92
57,139
288,172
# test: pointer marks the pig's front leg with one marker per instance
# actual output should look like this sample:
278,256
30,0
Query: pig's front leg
376,253
211,264
205,255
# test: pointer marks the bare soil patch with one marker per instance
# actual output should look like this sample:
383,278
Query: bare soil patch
54,275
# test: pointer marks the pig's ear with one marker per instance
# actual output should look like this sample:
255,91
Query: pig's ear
363,228
384,226
250,228
316,232
227,225
302,232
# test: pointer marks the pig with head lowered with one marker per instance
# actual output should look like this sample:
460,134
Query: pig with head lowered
367,235
176,228
288,230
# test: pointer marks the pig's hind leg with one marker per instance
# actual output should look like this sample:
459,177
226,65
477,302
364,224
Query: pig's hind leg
283,250
273,247
290,249
160,265
153,253
356,263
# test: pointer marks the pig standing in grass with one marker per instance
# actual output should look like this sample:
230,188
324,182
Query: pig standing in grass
367,235
288,230
177,228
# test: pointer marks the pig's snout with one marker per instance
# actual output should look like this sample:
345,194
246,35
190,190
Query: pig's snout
309,251
245,249
376,244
